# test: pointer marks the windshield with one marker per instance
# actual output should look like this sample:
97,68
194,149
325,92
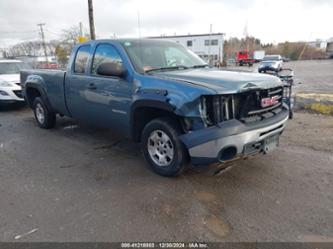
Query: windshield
271,58
266,63
12,67
147,55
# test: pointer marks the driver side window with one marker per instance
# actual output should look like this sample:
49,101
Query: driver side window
105,53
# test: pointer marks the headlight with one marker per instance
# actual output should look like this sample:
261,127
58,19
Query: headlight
5,84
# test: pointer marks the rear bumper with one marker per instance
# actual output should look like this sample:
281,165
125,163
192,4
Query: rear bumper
205,146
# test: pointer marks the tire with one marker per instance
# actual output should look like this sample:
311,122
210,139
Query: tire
291,114
45,118
166,155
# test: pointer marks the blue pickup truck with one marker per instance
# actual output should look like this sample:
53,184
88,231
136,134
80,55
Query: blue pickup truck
164,96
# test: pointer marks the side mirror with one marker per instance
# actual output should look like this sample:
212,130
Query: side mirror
111,69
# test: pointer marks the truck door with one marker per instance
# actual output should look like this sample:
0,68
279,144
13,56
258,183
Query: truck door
101,100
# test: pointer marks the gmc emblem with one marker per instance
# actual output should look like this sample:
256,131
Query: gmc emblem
265,102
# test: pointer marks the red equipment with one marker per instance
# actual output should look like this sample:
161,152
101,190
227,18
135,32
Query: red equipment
243,58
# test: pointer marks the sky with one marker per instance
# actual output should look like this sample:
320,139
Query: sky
271,21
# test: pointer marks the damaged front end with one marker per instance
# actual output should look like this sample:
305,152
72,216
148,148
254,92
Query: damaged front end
247,107
235,124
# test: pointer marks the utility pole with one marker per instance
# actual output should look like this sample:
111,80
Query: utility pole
246,37
81,29
139,25
91,20
209,45
43,40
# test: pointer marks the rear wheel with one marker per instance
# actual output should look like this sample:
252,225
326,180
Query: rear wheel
162,147
45,118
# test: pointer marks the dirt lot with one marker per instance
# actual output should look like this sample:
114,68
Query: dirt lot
77,183
315,76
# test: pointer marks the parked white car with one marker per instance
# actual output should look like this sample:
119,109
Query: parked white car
10,85
271,63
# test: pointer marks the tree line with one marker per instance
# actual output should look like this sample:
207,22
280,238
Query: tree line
62,47
291,50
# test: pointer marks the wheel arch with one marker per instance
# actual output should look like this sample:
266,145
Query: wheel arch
33,90
143,111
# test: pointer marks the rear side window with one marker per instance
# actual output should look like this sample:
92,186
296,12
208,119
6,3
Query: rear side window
81,59
105,53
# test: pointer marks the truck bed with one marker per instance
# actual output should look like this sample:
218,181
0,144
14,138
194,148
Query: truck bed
53,83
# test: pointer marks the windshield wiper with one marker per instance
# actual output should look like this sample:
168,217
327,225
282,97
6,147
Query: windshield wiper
167,68
179,67
200,66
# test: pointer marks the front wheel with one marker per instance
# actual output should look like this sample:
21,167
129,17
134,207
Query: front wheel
45,118
162,147
291,114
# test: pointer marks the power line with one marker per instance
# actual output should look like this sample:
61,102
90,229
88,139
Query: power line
19,32
52,32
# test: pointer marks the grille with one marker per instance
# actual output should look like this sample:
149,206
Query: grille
18,93
246,107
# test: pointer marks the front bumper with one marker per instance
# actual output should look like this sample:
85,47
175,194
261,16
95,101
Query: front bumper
11,94
205,146
267,68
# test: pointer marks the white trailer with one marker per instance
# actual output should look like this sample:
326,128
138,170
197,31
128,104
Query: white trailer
258,55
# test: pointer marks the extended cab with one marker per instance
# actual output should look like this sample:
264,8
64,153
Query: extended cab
164,96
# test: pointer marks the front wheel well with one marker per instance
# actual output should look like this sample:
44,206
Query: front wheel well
31,94
143,115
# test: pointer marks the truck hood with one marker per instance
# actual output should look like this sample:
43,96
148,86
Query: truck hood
12,78
223,81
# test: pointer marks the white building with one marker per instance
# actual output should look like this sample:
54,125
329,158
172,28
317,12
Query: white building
205,45
319,44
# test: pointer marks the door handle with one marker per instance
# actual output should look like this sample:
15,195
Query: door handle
92,86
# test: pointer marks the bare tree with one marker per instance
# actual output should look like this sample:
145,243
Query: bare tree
70,35
233,45
31,49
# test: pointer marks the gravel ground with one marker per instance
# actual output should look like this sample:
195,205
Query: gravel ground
316,76
77,183
312,76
